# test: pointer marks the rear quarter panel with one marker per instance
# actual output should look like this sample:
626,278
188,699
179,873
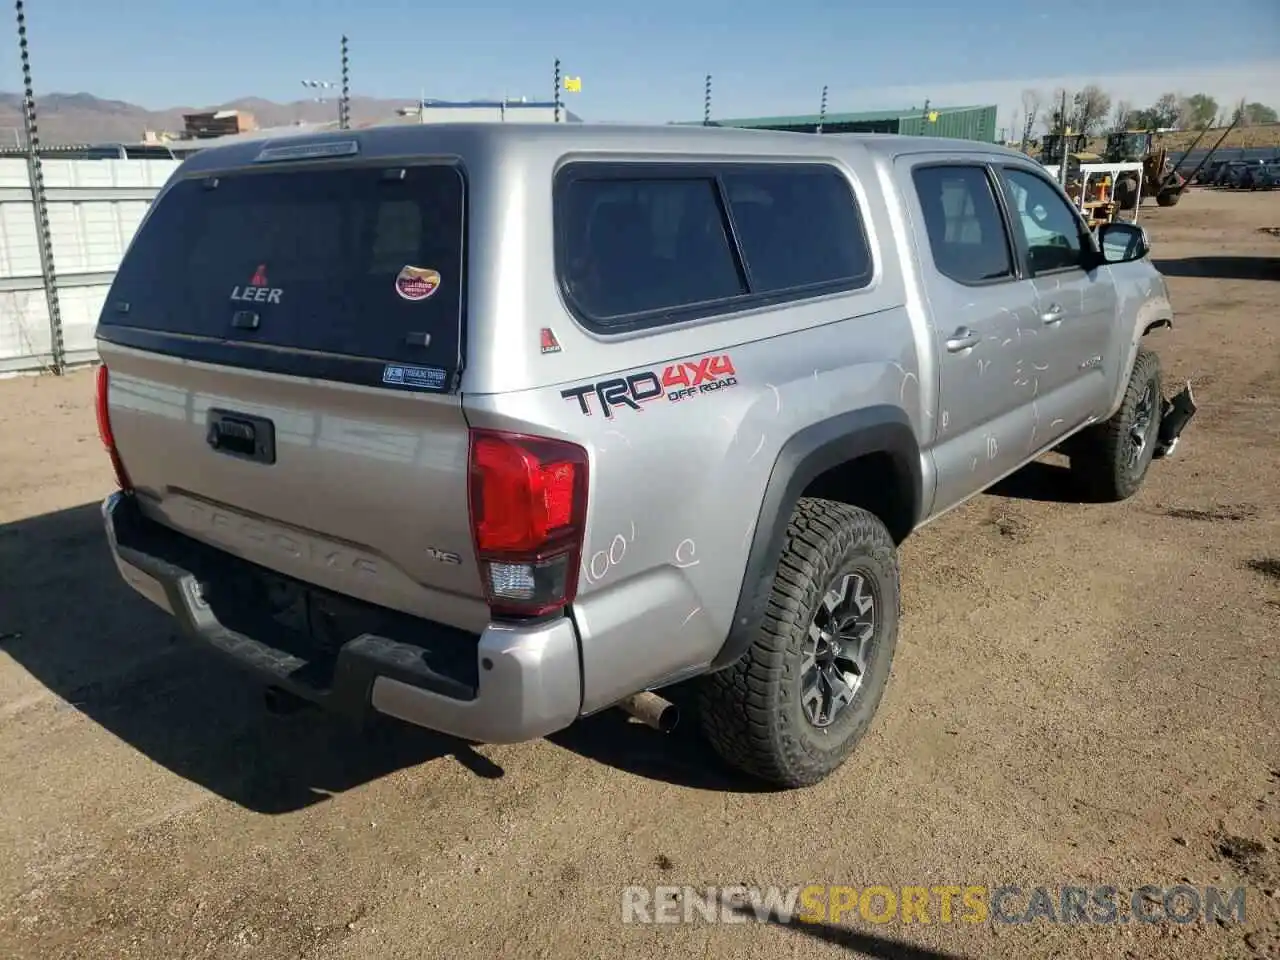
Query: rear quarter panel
676,486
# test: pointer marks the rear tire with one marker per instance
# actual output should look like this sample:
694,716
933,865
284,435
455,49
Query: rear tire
1110,459
793,708
1169,198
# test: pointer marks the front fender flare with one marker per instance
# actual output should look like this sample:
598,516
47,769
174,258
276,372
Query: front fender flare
1155,314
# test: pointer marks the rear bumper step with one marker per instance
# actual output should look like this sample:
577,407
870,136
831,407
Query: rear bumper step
509,684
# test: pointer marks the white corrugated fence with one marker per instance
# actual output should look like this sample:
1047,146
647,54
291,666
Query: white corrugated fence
94,207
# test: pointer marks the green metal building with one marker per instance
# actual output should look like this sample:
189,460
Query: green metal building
962,123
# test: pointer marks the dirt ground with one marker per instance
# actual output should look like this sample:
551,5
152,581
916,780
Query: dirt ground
1083,694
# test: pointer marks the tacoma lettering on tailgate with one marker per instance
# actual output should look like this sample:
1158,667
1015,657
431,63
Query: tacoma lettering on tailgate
234,529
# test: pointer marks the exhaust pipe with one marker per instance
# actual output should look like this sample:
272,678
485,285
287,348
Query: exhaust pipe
1177,414
652,710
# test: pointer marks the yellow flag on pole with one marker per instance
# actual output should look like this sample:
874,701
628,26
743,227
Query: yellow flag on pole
572,84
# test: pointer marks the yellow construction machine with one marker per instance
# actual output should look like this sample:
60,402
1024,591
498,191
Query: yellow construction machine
1160,178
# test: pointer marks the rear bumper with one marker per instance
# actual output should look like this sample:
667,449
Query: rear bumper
510,684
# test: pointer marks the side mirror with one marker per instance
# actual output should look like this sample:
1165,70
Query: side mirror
1122,242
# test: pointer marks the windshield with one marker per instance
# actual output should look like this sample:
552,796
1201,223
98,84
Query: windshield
1131,146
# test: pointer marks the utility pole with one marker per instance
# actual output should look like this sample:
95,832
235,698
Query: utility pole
1062,162
35,173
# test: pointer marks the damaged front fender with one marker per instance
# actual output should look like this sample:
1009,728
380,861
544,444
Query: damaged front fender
1142,306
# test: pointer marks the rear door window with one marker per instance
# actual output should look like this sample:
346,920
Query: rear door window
967,236
354,263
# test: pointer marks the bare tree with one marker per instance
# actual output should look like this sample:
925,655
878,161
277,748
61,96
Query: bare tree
1197,110
1165,111
1120,119
1259,113
1089,109
1032,101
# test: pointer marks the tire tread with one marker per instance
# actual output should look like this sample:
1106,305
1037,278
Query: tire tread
741,706
1097,453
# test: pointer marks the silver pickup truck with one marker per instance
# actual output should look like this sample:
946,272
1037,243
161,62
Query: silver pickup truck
492,427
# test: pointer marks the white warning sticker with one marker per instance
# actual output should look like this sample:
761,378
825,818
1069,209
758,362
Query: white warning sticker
424,378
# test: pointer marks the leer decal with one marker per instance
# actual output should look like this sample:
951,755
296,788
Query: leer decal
677,382
417,283
549,342
257,290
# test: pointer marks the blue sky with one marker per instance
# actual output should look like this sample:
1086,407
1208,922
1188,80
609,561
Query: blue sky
646,61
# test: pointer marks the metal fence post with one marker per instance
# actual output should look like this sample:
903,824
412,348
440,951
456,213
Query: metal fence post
344,105
557,90
40,207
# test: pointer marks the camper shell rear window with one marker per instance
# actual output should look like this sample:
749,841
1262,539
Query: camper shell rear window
344,272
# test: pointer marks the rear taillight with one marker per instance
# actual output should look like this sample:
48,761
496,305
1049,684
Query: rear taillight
104,427
528,500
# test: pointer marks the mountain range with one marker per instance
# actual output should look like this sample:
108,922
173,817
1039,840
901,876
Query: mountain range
83,118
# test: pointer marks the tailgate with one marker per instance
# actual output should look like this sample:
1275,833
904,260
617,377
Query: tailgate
284,347
367,494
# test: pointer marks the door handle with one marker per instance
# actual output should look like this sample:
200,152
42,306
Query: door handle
240,435
1052,315
962,339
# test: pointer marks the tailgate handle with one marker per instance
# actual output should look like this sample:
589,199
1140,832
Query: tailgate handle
243,436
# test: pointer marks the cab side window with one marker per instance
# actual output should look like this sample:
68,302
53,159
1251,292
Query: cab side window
1047,221
967,235
642,245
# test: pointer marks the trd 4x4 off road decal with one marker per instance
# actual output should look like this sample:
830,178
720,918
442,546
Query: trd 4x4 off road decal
677,382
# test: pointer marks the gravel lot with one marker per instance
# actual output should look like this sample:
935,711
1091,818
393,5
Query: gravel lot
1083,694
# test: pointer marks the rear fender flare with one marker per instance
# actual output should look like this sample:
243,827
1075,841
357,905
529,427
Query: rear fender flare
807,455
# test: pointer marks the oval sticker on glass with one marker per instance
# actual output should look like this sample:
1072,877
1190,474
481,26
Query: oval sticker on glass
417,283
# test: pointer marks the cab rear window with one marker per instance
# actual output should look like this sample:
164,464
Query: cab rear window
351,272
